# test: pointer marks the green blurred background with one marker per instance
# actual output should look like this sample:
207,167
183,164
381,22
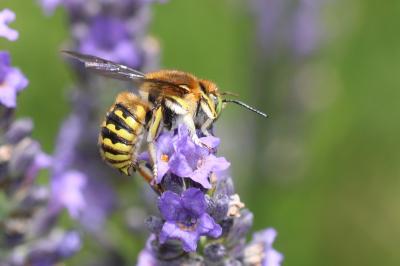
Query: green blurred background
323,170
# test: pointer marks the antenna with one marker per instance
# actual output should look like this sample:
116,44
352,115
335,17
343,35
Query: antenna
229,93
246,106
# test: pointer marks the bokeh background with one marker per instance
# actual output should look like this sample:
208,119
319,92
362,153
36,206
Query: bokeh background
323,169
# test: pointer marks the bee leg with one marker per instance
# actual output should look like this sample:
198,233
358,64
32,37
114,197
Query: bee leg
153,158
154,130
205,126
147,175
188,121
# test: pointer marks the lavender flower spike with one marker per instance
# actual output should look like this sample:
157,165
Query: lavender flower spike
12,81
7,16
186,218
115,45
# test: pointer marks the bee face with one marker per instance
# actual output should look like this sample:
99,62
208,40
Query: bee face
211,99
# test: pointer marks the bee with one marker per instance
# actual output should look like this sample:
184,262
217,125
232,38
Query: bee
165,99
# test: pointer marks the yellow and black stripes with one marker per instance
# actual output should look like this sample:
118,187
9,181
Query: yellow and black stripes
120,134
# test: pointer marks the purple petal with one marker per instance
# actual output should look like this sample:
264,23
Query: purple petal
208,165
210,141
163,168
8,96
183,144
189,239
5,63
268,236
272,258
7,16
67,191
146,256
193,200
217,163
170,206
41,161
164,144
200,176
13,83
180,166
69,244
49,5
164,148
207,226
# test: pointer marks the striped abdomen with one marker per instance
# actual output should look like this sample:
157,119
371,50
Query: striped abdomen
122,131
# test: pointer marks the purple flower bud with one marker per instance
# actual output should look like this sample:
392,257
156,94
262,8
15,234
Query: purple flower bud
12,81
69,244
37,197
58,246
18,130
225,186
27,159
154,224
214,253
7,16
171,251
218,207
241,226
173,183
186,218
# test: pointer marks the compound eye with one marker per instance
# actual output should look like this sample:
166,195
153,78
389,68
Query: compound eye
213,97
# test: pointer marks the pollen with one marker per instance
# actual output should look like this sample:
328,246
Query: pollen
164,158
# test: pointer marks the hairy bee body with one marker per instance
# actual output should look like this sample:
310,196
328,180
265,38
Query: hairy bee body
122,131
164,100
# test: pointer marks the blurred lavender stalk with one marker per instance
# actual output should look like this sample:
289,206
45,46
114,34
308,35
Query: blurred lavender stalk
81,182
24,203
289,34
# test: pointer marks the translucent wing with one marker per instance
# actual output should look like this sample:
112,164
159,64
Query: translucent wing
114,70
105,67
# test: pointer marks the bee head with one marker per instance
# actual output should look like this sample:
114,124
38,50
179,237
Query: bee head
211,100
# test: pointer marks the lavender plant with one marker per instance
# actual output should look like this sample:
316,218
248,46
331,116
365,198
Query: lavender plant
201,219
28,237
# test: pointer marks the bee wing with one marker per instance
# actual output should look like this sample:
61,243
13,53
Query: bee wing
105,67
163,87
114,70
